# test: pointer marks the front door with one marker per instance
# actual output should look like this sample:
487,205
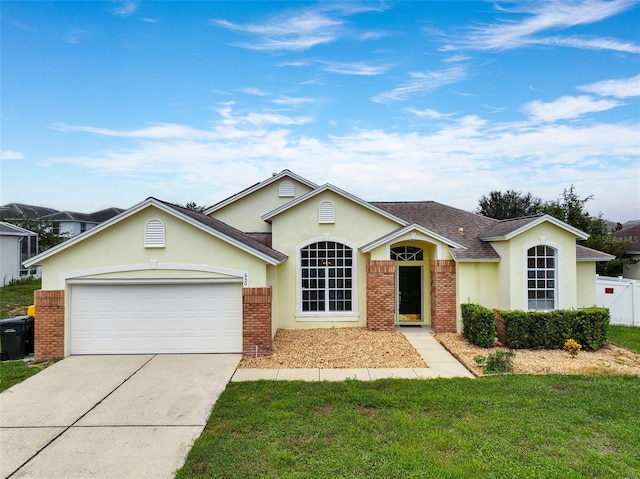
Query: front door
410,293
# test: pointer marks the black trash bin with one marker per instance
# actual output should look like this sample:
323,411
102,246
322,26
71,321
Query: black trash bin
16,335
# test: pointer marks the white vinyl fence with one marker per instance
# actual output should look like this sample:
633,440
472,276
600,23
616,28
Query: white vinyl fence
622,297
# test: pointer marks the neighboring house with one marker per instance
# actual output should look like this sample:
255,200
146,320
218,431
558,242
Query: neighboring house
66,223
287,253
12,239
71,223
632,248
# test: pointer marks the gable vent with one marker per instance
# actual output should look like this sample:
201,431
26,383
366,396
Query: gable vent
154,234
326,213
286,189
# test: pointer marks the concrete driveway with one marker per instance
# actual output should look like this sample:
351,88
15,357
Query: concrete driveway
110,416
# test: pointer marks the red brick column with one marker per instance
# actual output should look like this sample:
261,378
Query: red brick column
443,296
381,295
49,324
256,322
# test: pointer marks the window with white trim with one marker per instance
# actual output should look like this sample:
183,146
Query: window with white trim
541,278
407,253
326,277
326,212
286,189
154,234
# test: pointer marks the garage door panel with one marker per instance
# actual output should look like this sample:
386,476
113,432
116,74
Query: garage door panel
160,318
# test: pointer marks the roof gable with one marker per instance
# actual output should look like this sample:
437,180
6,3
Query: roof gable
199,220
258,186
8,229
408,229
328,187
507,229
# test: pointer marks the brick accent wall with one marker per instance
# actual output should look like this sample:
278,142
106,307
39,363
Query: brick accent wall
381,292
256,322
443,296
49,324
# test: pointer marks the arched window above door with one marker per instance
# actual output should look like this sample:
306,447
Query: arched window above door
407,253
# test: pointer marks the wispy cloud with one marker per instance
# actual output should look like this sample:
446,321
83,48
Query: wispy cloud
566,107
11,155
20,25
125,8
75,36
299,31
541,17
428,113
422,82
625,88
354,68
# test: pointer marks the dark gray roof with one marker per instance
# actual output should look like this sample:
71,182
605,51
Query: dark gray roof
95,217
227,230
504,227
19,210
585,254
632,235
458,225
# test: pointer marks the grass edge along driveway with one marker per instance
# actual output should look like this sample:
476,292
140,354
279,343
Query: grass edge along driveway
516,426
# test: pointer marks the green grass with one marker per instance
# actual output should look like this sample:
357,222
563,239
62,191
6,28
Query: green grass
13,372
516,426
627,336
15,297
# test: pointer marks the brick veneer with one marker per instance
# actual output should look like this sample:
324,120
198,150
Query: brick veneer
256,322
443,296
49,324
381,291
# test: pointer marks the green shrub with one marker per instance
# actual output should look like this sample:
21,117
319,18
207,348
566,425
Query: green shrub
478,325
551,330
499,362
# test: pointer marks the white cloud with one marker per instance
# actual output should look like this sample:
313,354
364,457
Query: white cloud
11,155
125,8
354,68
428,113
542,16
75,36
625,88
567,107
422,82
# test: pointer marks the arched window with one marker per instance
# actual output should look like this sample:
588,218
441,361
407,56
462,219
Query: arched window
407,253
541,278
286,189
326,213
154,234
326,277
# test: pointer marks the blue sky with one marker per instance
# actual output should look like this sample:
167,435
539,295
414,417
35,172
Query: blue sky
107,103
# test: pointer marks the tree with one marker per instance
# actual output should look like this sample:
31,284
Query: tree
193,206
48,237
509,204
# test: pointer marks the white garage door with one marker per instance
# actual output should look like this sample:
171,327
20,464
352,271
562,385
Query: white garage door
155,318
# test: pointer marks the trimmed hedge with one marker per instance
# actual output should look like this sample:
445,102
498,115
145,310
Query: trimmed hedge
550,330
478,325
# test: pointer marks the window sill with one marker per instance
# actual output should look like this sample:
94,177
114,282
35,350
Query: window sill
333,316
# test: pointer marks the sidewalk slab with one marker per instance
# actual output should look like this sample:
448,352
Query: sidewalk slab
102,452
19,444
302,374
149,398
254,375
71,386
360,374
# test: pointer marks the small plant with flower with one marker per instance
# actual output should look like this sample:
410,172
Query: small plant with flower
573,347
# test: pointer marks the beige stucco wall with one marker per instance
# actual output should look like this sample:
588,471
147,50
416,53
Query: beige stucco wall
244,213
118,252
354,225
586,284
512,268
478,283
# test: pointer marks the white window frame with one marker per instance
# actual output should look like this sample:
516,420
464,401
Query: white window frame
352,315
154,238
558,273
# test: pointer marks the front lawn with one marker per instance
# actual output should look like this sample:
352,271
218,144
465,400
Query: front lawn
516,426
627,336
13,372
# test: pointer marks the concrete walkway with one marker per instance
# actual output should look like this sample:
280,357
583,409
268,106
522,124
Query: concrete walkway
110,416
441,364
